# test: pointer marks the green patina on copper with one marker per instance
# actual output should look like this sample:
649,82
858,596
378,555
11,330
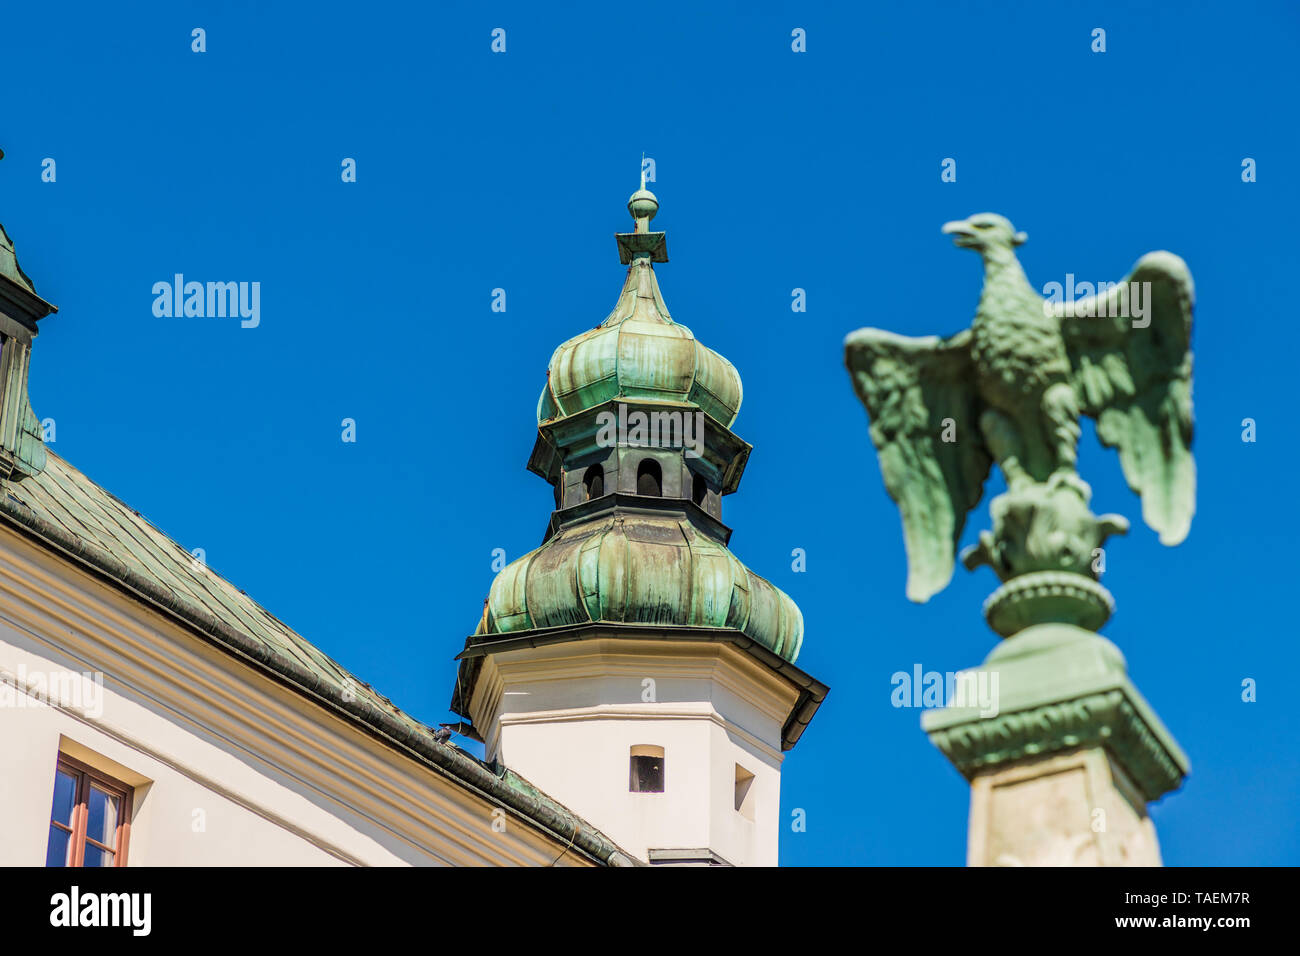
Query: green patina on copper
1010,390
624,558
647,569
22,449
638,351
9,267
1059,688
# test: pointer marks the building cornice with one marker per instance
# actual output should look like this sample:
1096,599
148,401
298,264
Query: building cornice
811,692
1061,688
1108,720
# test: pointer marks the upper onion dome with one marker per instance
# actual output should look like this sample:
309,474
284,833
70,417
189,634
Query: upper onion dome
639,351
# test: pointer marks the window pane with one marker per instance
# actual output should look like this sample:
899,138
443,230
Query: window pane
101,816
97,857
57,852
647,774
65,792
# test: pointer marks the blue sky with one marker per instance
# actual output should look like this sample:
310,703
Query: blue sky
774,170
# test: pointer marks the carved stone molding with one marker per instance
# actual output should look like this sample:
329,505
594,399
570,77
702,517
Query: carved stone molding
1109,720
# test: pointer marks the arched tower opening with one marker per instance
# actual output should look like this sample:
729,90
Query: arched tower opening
649,479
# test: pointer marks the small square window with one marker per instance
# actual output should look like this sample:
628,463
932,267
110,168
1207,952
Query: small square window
647,769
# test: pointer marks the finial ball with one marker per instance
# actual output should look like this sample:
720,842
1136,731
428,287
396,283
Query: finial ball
643,204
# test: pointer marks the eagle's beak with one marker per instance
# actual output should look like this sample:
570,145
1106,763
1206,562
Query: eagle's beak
961,229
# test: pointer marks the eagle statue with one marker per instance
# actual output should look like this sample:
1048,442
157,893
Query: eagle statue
1010,389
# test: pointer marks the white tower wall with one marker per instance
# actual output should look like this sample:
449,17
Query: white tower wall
567,717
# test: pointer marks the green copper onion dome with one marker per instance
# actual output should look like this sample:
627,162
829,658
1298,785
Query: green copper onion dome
637,536
639,352
643,569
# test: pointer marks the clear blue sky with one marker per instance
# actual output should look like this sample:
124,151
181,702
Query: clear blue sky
775,170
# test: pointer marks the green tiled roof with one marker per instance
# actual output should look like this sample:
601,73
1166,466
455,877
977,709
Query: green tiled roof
65,511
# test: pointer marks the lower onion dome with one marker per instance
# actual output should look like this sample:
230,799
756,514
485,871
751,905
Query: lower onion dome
641,569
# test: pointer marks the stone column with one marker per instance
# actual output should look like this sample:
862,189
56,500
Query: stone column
1062,752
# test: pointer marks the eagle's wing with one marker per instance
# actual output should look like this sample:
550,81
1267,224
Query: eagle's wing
910,387
1134,375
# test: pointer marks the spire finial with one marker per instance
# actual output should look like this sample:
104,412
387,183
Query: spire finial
641,242
643,205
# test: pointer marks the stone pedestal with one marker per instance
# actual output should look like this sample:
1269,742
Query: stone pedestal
1062,752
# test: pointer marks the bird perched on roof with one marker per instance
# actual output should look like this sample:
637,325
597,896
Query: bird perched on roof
442,735
1011,389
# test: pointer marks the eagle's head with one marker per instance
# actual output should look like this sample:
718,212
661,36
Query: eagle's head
984,232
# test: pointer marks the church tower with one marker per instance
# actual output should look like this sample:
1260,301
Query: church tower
631,666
